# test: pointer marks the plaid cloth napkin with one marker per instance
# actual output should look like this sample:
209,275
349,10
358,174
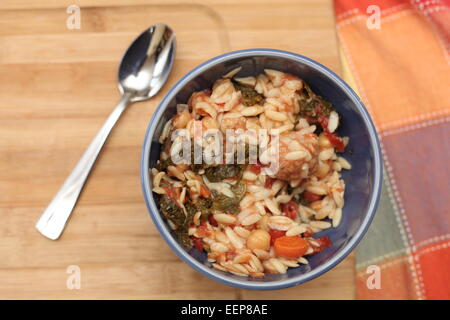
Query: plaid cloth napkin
400,66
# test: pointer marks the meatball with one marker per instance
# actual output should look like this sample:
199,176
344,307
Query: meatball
298,155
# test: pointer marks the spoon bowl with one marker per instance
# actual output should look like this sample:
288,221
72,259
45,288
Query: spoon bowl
147,63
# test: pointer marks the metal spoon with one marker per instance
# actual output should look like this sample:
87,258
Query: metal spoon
142,73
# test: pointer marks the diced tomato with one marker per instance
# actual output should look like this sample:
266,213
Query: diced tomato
323,121
168,192
269,182
290,247
335,141
324,242
212,221
204,191
172,194
230,255
256,168
311,197
290,209
177,193
275,234
308,233
198,243
203,231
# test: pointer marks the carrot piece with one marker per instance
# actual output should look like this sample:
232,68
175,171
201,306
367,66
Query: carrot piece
290,247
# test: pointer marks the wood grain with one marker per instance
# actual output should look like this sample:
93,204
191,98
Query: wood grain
57,88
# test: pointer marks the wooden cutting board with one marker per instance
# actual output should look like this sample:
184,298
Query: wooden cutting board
57,86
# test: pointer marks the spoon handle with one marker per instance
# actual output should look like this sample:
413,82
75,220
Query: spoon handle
52,222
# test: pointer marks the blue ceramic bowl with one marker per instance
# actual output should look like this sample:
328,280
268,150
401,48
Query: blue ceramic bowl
363,181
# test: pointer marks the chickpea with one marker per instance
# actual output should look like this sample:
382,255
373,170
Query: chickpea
324,142
258,239
322,170
181,119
